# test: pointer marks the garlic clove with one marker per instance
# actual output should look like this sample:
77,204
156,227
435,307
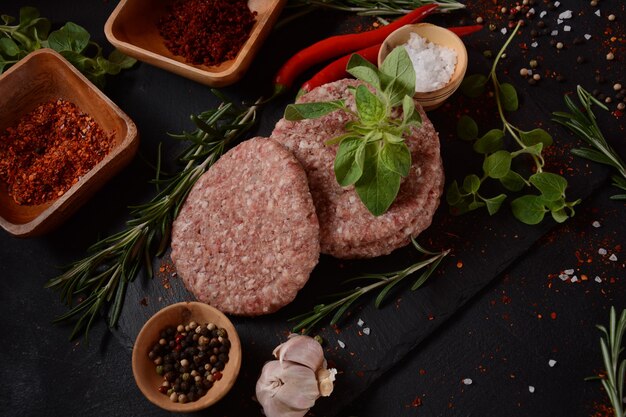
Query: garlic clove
301,349
325,379
286,389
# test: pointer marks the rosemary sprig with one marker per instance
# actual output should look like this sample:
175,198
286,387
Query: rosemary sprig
113,262
585,126
385,282
611,345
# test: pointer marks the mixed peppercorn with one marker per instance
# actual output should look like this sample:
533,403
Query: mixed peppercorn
191,359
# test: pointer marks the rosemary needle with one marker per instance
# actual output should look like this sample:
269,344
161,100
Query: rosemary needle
384,282
103,275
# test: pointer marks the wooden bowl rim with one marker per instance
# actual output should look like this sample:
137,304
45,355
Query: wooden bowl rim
31,227
224,386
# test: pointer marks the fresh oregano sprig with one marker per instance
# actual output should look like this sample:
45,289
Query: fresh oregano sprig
585,126
103,275
32,32
497,164
372,154
611,346
379,282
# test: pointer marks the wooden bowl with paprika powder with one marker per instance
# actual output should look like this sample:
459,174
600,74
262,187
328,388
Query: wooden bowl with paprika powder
45,78
133,28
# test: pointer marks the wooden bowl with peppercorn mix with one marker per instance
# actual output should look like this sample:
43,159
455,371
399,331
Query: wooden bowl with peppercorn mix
61,139
139,27
185,345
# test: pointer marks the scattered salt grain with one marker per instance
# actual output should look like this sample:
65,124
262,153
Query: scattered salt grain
567,14
434,64
564,277
569,271
360,323
467,381
567,28
531,389
503,31
587,36
574,278
366,331
554,33
598,13
534,44
598,279
551,363
341,344
596,224
602,251
613,258
559,21
543,13
557,3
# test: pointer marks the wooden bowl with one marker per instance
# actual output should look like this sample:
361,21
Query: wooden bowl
149,381
132,28
42,76
440,36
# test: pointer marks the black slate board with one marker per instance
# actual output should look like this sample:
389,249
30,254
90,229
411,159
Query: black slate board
403,322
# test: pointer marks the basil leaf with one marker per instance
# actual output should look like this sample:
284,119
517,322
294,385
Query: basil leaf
494,204
474,85
453,195
371,110
466,128
490,142
471,184
124,61
378,186
409,114
399,68
303,111
497,165
508,95
349,161
108,66
474,205
536,136
71,37
396,157
513,181
529,209
551,186
363,70
8,47
559,216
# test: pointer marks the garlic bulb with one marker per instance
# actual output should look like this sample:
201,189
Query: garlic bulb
289,386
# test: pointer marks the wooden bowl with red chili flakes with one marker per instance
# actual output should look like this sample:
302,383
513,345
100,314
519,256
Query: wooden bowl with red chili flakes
134,28
61,139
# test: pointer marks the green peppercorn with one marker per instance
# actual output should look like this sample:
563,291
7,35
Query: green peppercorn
159,370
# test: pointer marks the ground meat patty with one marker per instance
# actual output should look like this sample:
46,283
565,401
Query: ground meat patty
247,238
347,228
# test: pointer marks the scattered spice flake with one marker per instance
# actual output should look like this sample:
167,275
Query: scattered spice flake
459,264
553,315
144,301
417,402
551,363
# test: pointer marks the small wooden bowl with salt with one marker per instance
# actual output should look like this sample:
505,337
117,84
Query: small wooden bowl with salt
440,37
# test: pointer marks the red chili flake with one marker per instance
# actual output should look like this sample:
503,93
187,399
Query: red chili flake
417,402
422,371
553,315
207,32
459,264
49,150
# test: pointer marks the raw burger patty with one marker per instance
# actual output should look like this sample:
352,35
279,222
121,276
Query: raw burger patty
247,238
347,228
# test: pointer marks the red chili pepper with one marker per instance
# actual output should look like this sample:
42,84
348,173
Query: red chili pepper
339,45
336,70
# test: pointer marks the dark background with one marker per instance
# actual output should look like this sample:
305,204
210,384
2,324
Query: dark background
496,313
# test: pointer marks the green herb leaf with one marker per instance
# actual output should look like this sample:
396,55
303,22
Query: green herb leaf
363,70
490,142
534,149
551,186
71,37
349,161
27,15
399,69
466,128
474,85
513,181
471,184
409,114
396,157
124,61
559,216
493,204
508,95
8,47
302,111
529,209
536,136
453,195
371,110
378,186
498,164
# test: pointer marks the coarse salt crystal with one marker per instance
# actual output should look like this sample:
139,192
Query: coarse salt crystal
613,258
531,389
543,13
598,279
534,44
559,21
596,224
551,363
574,278
567,28
602,251
567,14
554,33
569,271
598,13
341,344
587,36
557,3
467,381
360,323
366,331
503,31
434,64
564,277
